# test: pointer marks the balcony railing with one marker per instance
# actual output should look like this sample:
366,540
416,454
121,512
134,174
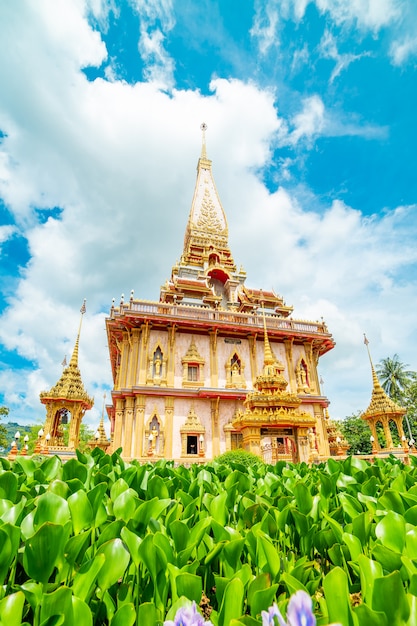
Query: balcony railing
209,314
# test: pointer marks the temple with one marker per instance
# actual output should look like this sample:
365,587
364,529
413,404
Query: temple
214,365
66,404
382,410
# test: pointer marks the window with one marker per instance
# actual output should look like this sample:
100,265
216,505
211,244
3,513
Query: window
192,375
192,444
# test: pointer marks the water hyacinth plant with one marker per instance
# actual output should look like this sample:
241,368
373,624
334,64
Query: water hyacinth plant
96,540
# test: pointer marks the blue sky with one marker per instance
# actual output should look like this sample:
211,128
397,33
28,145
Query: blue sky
310,107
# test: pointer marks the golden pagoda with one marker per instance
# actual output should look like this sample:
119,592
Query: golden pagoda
271,424
66,403
184,365
383,410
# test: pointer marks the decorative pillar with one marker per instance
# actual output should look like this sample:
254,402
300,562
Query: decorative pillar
312,369
171,355
303,445
124,360
143,354
169,419
321,431
288,343
133,362
214,373
118,423
251,439
128,430
215,427
387,433
139,420
252,354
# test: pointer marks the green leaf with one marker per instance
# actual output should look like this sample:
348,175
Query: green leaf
369,571
116,561
74,469
232,604
125,616
180,533
293,584
262,599
218,509
411,543
82,612
57,603
85,579
268,558
336,592
43,550
81,511
368,617
354,545
147,614
303,498
51,508
389,597
132,541
389,560
11,608
8,486
391,531
190,586
125,505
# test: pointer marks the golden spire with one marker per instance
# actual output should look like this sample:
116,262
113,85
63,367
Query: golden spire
70,386
207,228
381,404
269,358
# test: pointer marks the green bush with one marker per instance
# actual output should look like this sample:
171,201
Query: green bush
241,457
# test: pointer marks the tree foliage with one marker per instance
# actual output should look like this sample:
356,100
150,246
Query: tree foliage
394,377
357,433
4,412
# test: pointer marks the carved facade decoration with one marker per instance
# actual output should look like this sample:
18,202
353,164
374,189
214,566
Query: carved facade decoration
235,372
302,376
157,367
192,367
192,436
154,437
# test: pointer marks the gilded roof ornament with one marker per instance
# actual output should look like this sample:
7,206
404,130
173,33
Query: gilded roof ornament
70,386
380,403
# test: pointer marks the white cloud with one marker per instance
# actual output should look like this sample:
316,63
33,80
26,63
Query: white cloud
367,14
6,233
314,121
310,121
265,25
119,160
328,50
396,17
156,20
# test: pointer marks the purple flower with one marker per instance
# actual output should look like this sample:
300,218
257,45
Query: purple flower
300,610
187,616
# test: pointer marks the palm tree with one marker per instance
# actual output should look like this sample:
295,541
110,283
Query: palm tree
394,377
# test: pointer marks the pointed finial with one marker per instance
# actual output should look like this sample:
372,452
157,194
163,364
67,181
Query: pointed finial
203,128
64,362
83,307
269,358
374,376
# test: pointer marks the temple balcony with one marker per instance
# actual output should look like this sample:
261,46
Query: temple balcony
169,313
